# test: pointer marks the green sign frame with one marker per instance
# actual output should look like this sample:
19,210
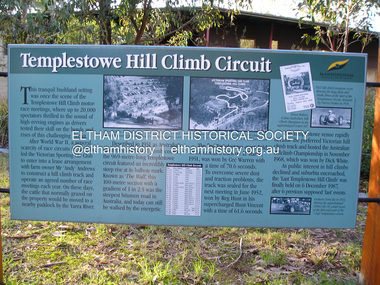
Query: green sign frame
185,136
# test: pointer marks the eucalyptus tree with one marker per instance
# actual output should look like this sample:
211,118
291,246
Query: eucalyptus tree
151,22
30,21
112,21
339,23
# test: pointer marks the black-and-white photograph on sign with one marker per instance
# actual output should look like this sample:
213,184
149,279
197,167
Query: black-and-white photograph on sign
297,86
282,205
229,104
144,102
331,118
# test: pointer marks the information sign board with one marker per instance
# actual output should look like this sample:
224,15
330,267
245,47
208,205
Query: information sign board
185,136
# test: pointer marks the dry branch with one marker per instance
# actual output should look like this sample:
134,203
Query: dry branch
237,259
53,264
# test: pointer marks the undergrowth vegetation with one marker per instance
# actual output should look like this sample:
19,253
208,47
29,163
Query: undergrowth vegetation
367,131
3,122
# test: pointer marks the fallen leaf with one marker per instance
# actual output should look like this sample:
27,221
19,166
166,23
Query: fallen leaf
92,229
58,234
63,227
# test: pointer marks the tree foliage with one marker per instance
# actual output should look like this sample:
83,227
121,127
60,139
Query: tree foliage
27,21
341,22
111,21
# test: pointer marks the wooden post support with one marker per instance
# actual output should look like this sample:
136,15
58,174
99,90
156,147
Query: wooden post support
370,269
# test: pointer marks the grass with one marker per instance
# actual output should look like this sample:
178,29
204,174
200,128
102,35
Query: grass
36,252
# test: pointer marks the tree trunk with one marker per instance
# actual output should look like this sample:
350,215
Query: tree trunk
147,5
105,22
346,35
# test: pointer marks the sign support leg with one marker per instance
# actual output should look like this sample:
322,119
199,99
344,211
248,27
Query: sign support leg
370,268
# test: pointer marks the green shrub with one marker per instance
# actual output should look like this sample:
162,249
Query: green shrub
3,122
367,132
